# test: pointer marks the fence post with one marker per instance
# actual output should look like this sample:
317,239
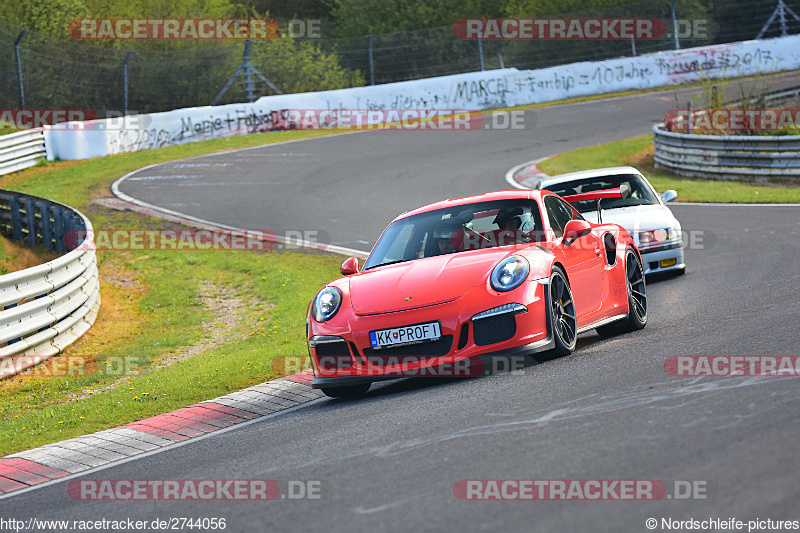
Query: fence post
480,52
125,83
248,74
20,92
371,64
675,26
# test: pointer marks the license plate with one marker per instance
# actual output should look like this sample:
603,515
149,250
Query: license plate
405,335
668,262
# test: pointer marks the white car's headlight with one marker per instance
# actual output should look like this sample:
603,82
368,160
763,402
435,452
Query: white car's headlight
509,273
327,303
657,235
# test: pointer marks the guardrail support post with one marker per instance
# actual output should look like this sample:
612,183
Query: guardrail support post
20,92
47,227
30,213
58,226
16,223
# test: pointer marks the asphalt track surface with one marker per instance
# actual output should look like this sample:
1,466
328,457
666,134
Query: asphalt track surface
389,461
347,188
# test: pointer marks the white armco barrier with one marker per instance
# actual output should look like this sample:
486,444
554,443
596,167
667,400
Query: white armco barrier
45,308
472,91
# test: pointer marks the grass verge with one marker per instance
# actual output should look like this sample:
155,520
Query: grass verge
638,152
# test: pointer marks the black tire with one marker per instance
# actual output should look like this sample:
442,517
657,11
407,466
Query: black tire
350,391
637,299
562,313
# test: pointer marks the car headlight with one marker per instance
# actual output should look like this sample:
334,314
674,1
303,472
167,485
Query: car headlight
509,273
657,235
327,303
672,234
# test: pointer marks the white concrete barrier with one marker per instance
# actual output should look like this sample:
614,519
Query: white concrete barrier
471,91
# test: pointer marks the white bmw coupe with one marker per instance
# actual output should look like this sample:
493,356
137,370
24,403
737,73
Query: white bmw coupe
644,214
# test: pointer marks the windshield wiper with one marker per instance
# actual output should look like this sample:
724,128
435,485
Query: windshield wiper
388,263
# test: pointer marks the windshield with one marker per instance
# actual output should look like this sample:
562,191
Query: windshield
641,193
457,229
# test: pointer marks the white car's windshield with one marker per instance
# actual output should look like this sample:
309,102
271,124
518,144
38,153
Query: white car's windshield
457,229
641,193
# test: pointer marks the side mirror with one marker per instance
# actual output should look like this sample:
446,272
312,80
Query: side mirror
350,266
668,196
575,228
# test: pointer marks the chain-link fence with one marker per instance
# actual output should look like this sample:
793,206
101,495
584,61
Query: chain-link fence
57,74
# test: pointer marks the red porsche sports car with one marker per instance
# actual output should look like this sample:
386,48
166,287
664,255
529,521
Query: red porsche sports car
503,273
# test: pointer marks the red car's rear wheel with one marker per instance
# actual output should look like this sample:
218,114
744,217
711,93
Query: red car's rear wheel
637,298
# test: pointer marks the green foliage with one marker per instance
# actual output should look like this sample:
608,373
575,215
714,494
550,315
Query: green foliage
311,9
363,17
300,66
49,17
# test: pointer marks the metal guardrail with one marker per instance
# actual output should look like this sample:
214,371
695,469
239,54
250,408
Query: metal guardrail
47,307
770,100
727,157
21,150
734,157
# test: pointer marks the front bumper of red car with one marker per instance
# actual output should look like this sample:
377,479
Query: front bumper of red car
473,329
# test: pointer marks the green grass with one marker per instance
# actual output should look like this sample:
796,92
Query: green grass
638,153
158,313
35,413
